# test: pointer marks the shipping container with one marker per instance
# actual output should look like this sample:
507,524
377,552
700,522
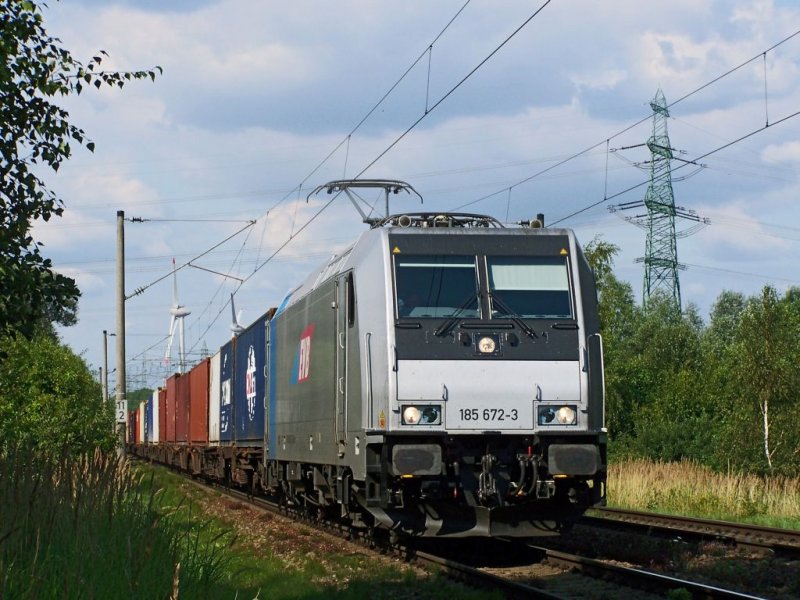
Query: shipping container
154,414
162,415
226,408
141,422
198,401
134,424
182,408
172,394
130,432
213,404
148,416
248,384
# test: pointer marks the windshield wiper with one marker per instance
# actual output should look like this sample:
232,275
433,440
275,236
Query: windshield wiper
445,327
510,314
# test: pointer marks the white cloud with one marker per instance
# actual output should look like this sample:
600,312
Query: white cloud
87,282
788,152
600,79
736,235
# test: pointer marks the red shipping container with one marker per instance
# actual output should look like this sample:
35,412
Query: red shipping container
133,423
198,394
172,393
182,409
162,414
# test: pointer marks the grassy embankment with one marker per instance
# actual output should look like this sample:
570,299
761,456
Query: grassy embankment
687,488
272,558
86,527
91,528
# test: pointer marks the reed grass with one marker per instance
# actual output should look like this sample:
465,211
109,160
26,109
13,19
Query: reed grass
86,527
689,488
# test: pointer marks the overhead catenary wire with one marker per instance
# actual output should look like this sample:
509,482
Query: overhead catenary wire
455,87
347,138
314,170
141,289
392,145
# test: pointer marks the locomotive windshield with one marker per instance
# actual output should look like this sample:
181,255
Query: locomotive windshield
437,286
529,287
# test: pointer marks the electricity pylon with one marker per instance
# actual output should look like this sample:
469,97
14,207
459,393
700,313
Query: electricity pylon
661,264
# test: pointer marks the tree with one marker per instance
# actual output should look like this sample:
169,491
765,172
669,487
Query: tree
34,70
766,351
726,314
49,400
618,317
674,418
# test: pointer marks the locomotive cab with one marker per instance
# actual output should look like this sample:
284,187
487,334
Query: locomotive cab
494,418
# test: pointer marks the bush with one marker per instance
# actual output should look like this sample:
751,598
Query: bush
49,399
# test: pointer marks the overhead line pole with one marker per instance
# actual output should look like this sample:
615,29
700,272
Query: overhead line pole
104,376
122,403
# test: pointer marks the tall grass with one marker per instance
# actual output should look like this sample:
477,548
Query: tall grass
689,488
83,527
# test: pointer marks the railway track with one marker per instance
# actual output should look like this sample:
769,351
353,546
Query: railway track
780,542
538,572
639,579
549,573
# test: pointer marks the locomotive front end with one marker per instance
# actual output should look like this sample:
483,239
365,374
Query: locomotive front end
493,423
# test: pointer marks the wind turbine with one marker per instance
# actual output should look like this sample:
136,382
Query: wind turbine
236,326
177,311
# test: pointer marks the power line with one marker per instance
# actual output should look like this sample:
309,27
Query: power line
702,156
760,276
625,130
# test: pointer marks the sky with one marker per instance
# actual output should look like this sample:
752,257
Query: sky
261,102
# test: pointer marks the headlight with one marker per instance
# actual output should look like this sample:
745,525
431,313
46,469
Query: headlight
411,415
557,415
428,414
486,345
565,415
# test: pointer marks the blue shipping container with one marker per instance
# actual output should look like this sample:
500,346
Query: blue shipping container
148,420
248,387
226,358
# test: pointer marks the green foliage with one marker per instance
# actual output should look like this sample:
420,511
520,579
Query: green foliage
49,399
722,394
136,397
34,70
761,412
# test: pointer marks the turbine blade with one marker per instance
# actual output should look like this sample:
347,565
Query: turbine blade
174,285
171,337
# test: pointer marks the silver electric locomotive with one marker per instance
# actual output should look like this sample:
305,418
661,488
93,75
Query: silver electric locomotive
441,377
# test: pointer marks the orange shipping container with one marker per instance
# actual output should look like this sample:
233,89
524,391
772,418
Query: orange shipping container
172,393
182,409
198,405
